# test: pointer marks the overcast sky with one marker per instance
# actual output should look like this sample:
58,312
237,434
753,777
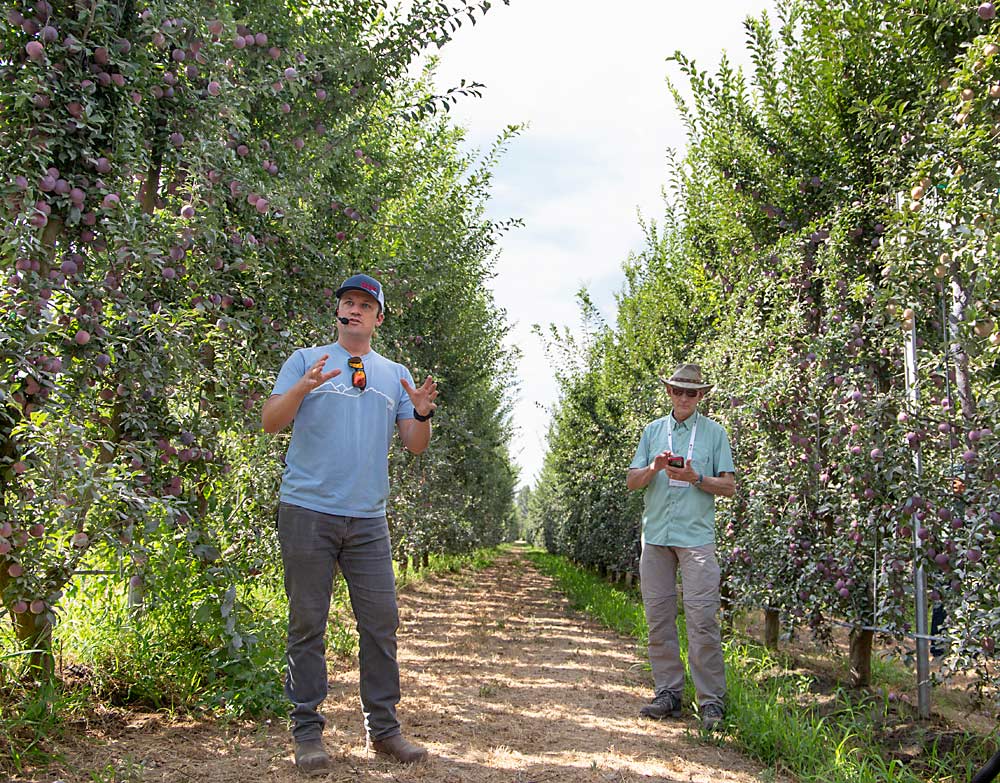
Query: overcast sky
590,81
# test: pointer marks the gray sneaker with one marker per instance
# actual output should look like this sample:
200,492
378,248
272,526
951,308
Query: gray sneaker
663,705
711,717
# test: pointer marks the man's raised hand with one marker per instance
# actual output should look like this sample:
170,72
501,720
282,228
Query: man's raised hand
315,376
422,397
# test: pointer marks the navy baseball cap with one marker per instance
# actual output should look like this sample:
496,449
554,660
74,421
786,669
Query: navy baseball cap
363,283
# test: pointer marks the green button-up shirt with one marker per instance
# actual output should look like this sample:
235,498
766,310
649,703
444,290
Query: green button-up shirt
682,516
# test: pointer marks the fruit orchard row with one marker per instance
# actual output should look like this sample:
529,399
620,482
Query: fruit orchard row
184,186
840,193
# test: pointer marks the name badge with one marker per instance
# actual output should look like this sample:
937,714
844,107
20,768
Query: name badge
679,483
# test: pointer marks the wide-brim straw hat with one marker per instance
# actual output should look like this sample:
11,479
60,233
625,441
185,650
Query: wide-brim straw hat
687,376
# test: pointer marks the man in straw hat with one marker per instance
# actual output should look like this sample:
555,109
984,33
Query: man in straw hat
683,461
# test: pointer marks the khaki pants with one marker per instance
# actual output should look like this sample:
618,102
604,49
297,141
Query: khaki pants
700,577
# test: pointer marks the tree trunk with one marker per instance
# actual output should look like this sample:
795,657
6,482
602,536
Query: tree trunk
404,563
629,579
861,657
963,383
426,558
772,625
35,633
151,187
136,597
208,398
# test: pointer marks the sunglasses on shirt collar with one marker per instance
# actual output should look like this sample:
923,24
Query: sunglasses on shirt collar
358,378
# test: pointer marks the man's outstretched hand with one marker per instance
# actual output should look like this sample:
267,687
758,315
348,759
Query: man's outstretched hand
315,376
423,396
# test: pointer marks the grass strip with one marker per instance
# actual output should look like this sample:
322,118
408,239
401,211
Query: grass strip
476,560
765,715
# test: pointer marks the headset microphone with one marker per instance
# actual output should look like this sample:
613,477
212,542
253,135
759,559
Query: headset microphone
344,321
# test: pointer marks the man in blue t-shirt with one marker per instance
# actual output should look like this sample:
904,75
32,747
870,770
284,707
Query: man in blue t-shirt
345,401
683,461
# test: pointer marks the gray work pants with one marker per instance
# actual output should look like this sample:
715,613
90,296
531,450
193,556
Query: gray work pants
313,546
658,582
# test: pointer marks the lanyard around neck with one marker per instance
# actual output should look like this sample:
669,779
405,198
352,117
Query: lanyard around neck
670,437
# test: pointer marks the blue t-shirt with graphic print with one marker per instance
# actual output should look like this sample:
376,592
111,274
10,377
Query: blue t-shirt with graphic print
338,459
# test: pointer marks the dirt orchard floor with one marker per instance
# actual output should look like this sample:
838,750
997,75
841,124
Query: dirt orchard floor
502,681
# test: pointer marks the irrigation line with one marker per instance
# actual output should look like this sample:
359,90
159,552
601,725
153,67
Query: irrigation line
989,771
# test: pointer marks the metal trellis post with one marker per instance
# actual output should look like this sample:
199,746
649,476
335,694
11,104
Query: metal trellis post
919,578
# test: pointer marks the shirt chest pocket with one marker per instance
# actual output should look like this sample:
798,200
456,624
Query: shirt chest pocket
703,458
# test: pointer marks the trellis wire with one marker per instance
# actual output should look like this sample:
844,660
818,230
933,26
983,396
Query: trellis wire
844,624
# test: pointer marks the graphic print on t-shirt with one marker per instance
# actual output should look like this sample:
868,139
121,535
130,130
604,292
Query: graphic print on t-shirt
349,391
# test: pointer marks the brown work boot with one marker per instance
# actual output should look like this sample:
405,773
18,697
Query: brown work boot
311,756
404,752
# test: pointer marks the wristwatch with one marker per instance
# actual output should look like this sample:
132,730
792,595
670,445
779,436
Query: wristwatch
701,478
